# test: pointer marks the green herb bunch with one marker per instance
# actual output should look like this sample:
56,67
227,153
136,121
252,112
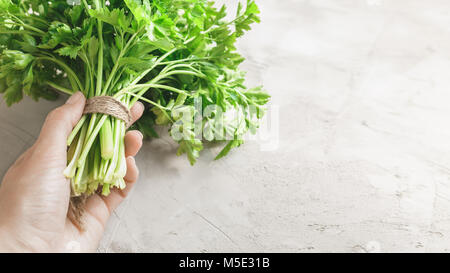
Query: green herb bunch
167,53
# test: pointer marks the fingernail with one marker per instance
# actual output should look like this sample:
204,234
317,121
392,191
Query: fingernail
133,161
74,98
141,105
142,136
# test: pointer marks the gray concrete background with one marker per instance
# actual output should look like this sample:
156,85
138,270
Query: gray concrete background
362,162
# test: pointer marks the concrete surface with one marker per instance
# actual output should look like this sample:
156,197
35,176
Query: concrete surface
362,162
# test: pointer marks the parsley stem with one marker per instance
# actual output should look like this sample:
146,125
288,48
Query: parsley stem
76,129
160,59
116,65
148,101
16,32
59,88
100,59
90,140
66,68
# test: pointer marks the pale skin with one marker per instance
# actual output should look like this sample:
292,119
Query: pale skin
34,194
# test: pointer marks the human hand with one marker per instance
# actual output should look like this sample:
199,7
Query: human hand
34,194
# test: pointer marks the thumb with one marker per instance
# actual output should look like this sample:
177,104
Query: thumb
60,122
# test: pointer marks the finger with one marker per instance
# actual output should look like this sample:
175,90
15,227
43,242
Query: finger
136,111
133,142
132,172
60,122
132,175
99,207
116,196
96,215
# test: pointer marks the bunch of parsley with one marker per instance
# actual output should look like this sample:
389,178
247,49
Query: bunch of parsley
172,54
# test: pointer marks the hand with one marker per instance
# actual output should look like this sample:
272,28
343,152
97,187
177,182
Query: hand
34,194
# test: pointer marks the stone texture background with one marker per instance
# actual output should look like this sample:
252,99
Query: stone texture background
362,158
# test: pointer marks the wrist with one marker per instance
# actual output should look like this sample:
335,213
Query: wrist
4,241
9,242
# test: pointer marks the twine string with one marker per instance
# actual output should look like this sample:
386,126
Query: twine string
108,106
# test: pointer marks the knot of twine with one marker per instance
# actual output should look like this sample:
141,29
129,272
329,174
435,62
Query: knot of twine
108,106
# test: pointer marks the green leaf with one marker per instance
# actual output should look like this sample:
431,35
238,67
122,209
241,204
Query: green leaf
71,51
13,94
142,49
136,63
180,99
231,144
162,117
75,14
28,80
246,18
57,33
257,96
115,17
191,148
140,9
3,85
19,59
